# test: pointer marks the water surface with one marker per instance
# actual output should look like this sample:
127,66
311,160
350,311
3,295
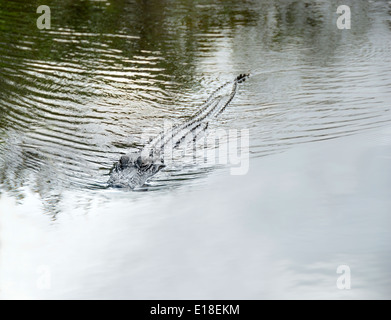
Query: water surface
109,74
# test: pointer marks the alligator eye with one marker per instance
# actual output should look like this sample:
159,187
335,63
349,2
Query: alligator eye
124,161
139,162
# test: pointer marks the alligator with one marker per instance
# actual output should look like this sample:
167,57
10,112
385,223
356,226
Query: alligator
135,169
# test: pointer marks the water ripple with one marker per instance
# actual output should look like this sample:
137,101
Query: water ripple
74,98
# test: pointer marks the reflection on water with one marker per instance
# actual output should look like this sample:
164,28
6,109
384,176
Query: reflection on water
108,74
76,97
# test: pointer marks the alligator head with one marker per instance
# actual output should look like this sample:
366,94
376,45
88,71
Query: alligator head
133,171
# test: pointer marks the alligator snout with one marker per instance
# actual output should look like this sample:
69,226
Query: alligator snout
242,77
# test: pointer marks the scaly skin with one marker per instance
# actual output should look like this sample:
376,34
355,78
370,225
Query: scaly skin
134,170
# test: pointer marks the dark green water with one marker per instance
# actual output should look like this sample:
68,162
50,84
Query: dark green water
109,74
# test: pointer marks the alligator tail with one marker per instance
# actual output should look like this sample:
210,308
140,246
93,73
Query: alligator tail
242,77
217,102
